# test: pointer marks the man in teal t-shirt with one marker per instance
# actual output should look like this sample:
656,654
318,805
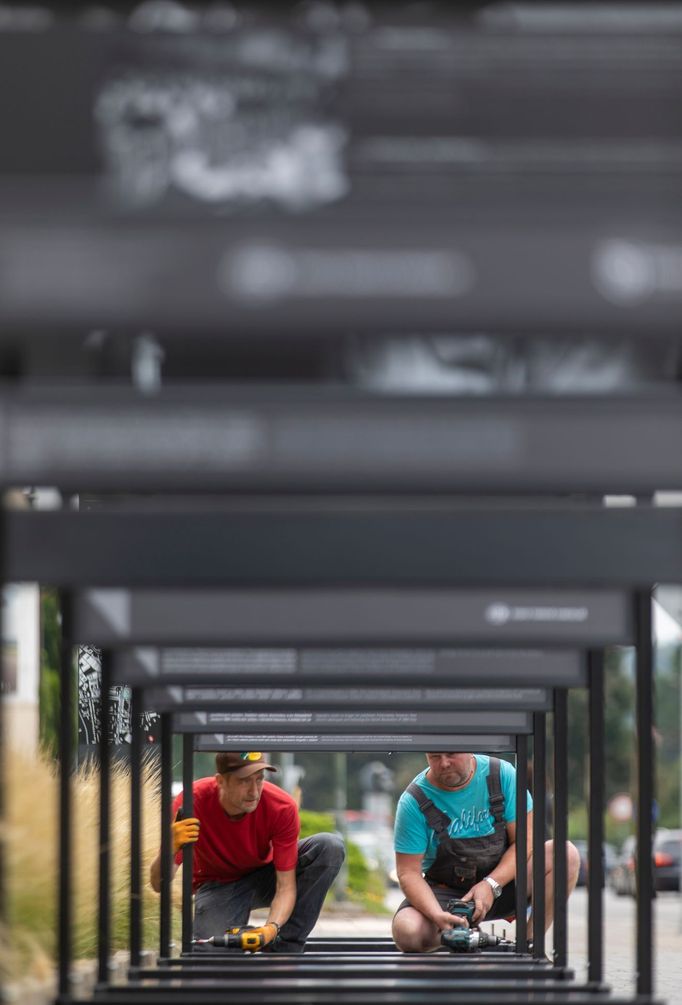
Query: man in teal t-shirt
470,801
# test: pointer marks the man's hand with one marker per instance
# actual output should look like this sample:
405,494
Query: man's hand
263,936
483,897
444,921
184,832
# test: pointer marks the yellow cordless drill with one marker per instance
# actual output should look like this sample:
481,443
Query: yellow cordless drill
246,938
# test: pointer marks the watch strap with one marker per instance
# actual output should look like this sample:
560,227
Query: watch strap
495,886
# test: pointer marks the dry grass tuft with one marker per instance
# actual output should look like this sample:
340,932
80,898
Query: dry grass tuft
32,789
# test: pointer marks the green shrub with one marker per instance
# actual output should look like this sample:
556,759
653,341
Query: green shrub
316,823
365,886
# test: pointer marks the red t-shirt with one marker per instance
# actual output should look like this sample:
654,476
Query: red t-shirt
229,849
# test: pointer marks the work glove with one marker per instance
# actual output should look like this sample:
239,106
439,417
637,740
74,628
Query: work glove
184,832
258,938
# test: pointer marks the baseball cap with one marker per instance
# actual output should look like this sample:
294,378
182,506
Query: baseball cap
241,764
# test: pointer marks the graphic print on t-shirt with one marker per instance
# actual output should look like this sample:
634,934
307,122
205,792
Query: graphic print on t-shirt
467,808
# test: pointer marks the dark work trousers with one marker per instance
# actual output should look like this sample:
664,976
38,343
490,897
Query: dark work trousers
218,906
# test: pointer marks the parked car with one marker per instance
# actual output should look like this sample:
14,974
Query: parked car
622,877
666,859
609,857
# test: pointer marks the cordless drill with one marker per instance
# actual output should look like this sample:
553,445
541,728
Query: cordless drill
469,940
247,938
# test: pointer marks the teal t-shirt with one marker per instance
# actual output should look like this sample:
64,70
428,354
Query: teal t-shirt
468,809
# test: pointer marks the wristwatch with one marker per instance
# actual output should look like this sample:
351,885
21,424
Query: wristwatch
495,886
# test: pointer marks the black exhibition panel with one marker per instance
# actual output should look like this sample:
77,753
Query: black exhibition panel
236,437
330,616
370,544
219,669
493,742
122,223
354,720
183,699
350,268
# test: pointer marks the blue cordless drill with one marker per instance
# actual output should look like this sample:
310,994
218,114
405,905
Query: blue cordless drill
469,940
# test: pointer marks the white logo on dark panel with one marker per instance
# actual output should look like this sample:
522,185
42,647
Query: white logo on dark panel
498,614
502,614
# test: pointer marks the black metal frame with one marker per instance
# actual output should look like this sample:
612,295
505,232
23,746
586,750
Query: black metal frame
66,757
641,620
207,968
135,938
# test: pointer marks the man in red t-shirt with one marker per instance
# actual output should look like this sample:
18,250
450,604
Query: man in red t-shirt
247,855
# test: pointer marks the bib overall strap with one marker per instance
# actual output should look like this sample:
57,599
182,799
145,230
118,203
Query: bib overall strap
495,794
435,818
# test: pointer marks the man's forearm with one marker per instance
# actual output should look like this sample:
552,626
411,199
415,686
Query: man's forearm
155,873
282,906
420,895
505,870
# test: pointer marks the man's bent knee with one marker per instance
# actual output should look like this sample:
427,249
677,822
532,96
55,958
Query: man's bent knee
413,933
573,856
572,862
328,849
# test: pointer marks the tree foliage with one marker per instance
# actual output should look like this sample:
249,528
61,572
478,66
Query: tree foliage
49,672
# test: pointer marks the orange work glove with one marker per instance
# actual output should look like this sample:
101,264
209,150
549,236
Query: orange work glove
257,938
184,832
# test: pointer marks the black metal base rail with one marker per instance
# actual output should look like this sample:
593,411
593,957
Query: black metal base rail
339,965
414,992
325,987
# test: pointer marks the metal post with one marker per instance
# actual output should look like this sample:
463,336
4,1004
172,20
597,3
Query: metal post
595,842
645,787
135,827
66,754
521,843
679,678
104,903
188,850
166,738
560,827
286,763
539,811
3,891
340,799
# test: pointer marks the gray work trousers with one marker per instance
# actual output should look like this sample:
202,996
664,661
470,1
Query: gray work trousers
218,906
